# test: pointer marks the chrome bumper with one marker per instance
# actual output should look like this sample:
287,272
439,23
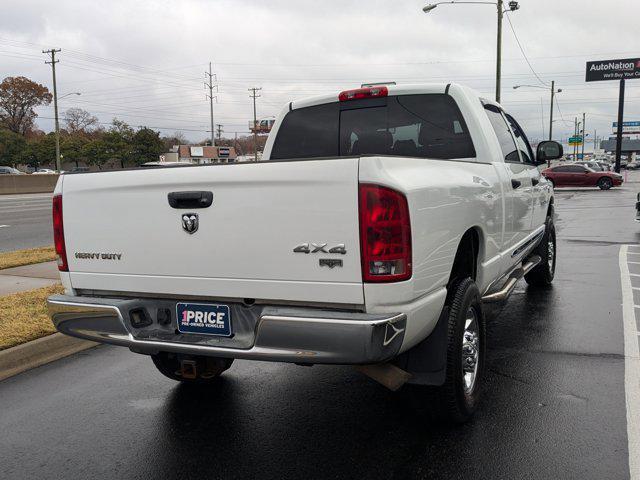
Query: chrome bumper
277,334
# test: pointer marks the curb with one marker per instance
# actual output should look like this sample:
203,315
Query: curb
39,352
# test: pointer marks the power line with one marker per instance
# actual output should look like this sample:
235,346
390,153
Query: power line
522,49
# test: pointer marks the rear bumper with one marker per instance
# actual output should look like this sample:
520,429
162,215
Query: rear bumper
282,335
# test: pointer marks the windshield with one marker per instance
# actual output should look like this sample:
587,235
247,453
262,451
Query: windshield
425,126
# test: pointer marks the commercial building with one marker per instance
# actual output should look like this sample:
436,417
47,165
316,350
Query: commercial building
630,138
200,154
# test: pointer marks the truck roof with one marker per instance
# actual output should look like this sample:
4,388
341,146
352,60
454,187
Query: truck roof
401,89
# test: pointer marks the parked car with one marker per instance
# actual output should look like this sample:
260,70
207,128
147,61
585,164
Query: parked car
606,166
80,170
10,171
581,176
633,165
595,166
378,224
44,171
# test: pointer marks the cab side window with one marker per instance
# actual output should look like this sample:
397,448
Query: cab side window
501,129
521,141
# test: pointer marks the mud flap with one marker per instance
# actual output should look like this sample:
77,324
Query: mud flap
427,361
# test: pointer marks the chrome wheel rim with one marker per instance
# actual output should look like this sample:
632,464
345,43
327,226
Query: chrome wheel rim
470,350
551,253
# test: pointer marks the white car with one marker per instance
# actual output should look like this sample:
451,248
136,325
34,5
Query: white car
44,171
378,223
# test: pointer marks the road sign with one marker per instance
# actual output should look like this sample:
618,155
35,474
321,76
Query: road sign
577,140
627,127
627,68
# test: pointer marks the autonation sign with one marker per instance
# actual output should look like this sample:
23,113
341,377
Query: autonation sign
627,68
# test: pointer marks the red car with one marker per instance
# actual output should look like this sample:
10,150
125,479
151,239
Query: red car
581,176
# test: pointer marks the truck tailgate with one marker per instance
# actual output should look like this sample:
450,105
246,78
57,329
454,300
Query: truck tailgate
122,235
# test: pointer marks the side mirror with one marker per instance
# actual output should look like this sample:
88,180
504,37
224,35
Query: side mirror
548,150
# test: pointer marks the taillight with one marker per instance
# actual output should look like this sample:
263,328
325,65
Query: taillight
359,93
58,234
385,234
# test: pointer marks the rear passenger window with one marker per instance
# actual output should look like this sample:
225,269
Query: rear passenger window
501,129
308,132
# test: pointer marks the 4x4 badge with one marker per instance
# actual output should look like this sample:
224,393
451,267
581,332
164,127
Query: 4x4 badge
190,222
320,248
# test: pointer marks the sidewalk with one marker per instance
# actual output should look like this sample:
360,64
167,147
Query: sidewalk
28,277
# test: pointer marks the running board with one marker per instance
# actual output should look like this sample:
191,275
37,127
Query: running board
510,284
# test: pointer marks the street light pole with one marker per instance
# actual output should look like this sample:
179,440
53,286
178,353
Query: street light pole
513,6
499,52
553,93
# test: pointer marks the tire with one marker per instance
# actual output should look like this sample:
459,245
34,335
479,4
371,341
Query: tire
605,183
458,398
207,369
542,275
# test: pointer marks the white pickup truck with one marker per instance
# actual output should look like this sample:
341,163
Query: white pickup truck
378,223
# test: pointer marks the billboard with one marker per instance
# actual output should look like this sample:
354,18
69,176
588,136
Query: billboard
627,127
196,151
627,68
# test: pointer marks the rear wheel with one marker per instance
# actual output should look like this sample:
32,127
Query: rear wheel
542,274
605,183
190,368
457,399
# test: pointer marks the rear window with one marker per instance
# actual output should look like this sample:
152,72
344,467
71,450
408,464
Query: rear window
427,126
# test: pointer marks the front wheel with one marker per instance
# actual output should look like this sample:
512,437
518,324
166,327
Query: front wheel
605,183
457,399
189,368
542,274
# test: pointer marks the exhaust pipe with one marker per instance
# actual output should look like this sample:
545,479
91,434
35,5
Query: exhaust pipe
385,374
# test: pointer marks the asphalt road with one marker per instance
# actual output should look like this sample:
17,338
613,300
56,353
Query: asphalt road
25,221
553,407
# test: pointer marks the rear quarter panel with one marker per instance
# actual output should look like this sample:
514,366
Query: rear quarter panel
446,198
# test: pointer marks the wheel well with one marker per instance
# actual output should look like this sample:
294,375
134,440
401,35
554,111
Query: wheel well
550,209
465,263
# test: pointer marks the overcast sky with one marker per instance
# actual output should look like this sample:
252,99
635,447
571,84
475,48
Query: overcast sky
144,61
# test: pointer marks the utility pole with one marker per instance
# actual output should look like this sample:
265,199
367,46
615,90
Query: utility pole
53,62
254,94
499,51
584,133
219,131
211,86
575,134
553,91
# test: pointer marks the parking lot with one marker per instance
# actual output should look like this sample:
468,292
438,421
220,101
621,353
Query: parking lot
554,403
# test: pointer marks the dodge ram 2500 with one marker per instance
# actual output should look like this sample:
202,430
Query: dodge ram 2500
377,225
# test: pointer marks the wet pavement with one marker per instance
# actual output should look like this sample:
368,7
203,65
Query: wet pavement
553,407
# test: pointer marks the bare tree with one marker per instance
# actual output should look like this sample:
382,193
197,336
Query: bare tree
18,97
78,120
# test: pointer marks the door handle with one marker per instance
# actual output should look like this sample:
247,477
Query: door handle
190,199
515,183
535,181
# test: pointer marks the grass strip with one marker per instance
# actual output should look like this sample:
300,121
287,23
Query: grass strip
23,316
27,257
